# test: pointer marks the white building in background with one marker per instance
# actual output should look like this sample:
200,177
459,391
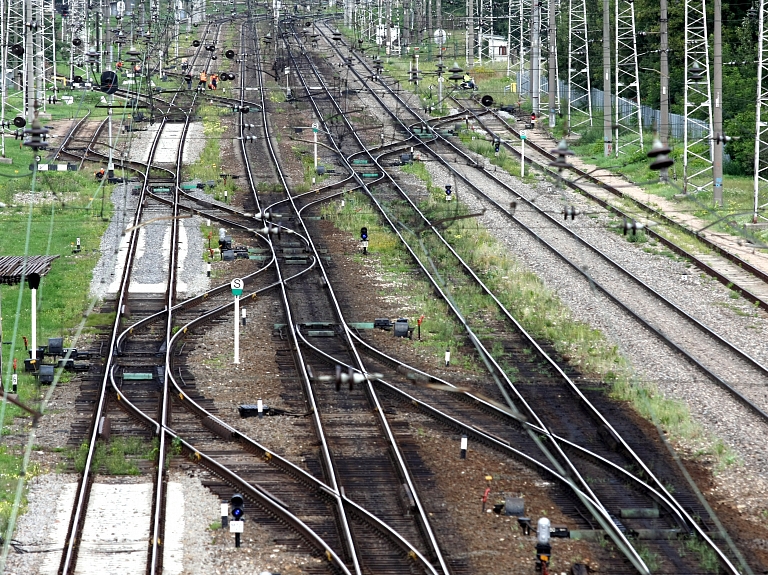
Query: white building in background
497,48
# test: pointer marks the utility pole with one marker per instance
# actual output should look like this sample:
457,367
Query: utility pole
29,63
761,125
535,83
664,70
552,72
471,33
607,133
717,116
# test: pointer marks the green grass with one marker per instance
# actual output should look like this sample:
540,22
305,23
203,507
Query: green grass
49,228
208,167
117,457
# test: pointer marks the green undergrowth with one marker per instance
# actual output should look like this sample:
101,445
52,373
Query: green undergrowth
118,456
10,473
208,167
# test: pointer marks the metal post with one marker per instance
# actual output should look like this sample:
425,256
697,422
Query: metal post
717,118
607,146
237,329
522,156
664,68
761,125
34,323
552,72
471,33
29,65
535,82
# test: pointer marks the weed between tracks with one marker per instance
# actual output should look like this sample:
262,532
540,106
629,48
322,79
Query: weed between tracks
208,167
117,457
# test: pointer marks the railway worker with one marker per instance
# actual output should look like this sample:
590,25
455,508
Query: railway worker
203,80
99,174
533,120
214,81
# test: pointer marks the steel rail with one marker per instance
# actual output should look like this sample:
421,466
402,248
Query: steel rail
402,467
581,397
324,448
83,491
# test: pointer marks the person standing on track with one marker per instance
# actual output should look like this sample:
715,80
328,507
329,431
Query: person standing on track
203,80
214,81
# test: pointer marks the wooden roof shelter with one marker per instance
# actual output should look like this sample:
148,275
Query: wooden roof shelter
11,267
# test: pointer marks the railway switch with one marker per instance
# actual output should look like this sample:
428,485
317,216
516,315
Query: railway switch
401,328
238,512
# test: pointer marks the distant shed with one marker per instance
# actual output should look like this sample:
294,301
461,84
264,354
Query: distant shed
12,267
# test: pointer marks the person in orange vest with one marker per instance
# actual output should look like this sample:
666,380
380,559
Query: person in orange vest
203,80
214,81
99,174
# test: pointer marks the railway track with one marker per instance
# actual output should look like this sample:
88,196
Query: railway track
362,511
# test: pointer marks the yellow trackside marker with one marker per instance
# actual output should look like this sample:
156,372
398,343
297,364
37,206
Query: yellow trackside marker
489,477
181,396
131,331
205,295
253,296
267,455
118,397
197,456
185,330
328,554
412,554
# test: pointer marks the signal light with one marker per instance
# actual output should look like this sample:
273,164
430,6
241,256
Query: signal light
77,42
196,43
363,234
238,507
496,144
570,211
230,54
448,192
17,50
632,225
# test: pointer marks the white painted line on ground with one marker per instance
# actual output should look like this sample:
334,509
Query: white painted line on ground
117,530
173,545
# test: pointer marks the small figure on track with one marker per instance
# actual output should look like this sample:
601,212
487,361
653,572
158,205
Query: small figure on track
203,80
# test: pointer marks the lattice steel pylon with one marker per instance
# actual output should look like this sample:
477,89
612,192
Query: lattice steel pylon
484,29
761,131
44,41
579,83
698,97
520,16
13,60
628,112
78,34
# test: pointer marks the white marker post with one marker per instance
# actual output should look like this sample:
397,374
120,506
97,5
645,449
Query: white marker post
224,514
522,153
314,136
237,291
34,283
